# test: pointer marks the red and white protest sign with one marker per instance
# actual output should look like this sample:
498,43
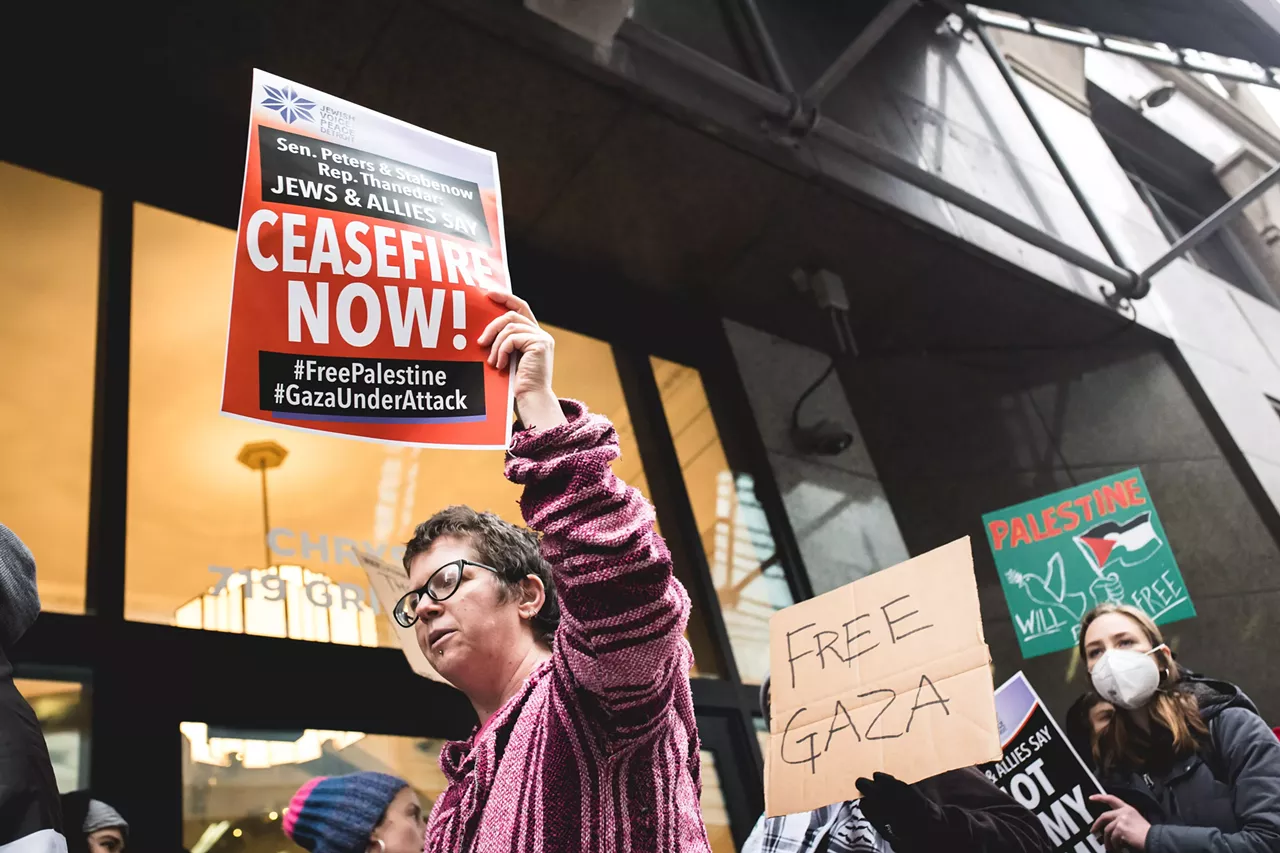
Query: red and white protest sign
365,247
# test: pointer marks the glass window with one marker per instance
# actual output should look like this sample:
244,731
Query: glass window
48,330
715,815
748,579
1220,254
809,36
236,784
218,544
64,711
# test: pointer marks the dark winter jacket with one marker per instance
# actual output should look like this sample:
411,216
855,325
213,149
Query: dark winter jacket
30,817
981,817
1224,798
976,817
75,808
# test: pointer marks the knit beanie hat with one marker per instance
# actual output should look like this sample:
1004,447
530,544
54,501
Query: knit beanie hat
19,603
102,816
337,814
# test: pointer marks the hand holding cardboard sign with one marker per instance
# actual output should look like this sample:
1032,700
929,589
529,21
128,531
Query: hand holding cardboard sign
888,673
516,334
900,812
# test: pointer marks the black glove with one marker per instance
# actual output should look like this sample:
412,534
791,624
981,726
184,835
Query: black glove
906,818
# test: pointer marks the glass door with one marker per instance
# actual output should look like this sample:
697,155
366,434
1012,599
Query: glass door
732,795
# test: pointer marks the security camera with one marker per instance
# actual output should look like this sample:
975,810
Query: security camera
825,438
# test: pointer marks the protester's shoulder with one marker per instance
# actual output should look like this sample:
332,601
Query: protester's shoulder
19,599
15,556
1214,695
1238,727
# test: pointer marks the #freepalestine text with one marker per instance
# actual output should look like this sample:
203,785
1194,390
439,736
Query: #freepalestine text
1062,818
310,245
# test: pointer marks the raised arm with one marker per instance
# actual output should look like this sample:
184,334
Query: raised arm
623,613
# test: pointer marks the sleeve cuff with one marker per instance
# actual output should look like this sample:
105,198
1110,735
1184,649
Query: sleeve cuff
587,439
527,442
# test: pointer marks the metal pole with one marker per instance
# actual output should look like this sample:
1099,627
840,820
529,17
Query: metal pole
857,50
779,72
266,519
682,56
1098,41
866,150
1206,229
1126,289
774,104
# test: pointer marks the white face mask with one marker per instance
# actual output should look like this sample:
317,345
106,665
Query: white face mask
1126,678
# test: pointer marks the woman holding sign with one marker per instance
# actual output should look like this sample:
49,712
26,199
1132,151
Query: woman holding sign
571,648
1190,765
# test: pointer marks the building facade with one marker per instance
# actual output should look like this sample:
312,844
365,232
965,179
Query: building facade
739,218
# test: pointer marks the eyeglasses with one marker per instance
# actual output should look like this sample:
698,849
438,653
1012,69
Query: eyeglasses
443,583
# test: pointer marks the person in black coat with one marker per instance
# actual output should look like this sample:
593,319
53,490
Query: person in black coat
29,809
1189,765
960,811
92,826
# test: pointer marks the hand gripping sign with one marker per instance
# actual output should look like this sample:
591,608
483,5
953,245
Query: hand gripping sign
364,249
889,673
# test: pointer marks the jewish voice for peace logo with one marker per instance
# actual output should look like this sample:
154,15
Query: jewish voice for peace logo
291,106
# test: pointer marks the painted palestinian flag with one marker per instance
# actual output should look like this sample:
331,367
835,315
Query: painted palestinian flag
1128,543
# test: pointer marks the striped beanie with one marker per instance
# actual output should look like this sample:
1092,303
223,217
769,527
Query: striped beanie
337,814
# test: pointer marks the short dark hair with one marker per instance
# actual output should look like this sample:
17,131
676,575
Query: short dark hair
512,550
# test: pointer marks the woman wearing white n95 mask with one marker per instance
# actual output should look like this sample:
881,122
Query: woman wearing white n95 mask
1188,764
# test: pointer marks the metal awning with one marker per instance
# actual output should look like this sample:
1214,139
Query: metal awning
1241,29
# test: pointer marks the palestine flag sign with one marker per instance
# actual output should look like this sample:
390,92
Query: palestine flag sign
1060,555
1128,544
1041,771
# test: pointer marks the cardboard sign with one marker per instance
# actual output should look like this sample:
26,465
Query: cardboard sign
389,584
889,673
1041,770
1060,555
364,249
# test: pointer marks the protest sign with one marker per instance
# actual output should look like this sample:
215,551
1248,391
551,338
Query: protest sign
389,583
364,251
889,673
1059,555
1042,771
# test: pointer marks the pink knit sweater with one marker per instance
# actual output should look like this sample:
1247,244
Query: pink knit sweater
598,753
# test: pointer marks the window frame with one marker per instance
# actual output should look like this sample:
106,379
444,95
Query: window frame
1170,177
